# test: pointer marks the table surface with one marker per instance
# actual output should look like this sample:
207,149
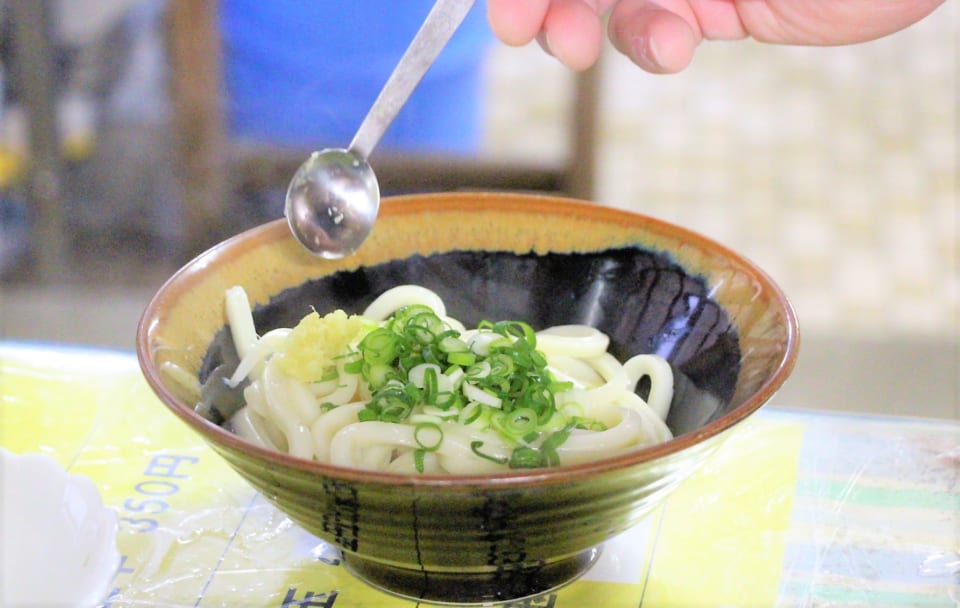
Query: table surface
797,509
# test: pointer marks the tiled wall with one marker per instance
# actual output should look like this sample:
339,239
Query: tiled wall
835,169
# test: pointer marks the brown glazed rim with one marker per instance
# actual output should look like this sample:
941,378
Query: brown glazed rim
413,204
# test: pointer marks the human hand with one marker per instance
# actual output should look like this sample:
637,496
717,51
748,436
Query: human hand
661,36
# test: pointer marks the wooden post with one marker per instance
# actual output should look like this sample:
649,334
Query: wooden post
36,81
196,77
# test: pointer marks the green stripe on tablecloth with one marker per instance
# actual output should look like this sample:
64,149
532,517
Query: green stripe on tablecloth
842,491
862,596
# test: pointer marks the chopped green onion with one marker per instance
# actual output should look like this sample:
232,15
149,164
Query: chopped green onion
448,400
421,370
475,448
379,346
416,418
354,367
329,373
378,374
391,404
448,342
430,385
545,415
462,358
548,449
501,364
480,370
419,334
441,413
524,458
470,413
395,412
424,442
481,395
520,421
590,424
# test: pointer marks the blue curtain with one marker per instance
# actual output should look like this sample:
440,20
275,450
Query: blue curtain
304,73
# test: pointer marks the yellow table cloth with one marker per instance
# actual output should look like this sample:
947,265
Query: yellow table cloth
797,509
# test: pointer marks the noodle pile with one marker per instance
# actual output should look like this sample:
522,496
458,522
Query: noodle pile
405,388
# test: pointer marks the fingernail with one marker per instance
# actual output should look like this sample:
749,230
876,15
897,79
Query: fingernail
645,50
544,39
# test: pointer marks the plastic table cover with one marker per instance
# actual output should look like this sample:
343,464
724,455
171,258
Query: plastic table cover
798,508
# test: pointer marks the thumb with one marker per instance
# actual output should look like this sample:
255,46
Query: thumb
656,39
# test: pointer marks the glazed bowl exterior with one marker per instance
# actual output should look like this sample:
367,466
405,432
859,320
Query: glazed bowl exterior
727,329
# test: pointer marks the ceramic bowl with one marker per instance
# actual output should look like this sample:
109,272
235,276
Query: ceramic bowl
57,539
726,328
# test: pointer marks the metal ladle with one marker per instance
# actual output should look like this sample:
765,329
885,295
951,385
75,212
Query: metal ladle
333,198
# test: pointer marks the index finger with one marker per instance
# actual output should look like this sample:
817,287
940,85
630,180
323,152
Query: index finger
516,22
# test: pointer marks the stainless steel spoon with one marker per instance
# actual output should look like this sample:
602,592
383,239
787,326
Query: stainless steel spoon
333,198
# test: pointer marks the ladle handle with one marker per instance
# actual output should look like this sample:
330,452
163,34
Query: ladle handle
442,21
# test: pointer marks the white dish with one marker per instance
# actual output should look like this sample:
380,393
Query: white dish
58,542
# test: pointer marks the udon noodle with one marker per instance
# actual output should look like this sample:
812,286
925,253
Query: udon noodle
406,388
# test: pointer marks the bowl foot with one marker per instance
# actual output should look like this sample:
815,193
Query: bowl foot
473,588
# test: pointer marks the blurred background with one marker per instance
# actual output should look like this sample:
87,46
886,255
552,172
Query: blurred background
136,133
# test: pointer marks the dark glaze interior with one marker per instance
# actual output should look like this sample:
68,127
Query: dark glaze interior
643,300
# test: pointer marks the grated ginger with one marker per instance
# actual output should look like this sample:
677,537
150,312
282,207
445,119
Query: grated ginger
315,343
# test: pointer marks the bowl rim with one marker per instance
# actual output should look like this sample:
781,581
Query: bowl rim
222,439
